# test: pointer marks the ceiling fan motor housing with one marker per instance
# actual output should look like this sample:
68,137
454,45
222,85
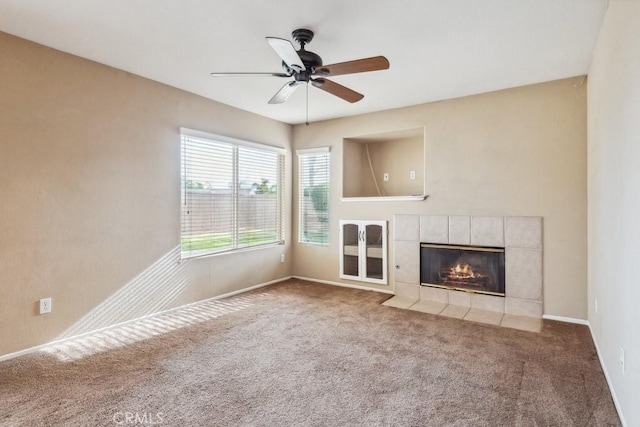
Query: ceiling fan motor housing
310,59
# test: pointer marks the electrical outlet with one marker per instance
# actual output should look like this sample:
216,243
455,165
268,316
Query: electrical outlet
596,304
282,258
622,360
45,305
385,177
412,175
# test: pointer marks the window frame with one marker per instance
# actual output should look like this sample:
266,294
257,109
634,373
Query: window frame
234,143
301,223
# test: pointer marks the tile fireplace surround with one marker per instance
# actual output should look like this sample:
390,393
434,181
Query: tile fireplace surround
520,236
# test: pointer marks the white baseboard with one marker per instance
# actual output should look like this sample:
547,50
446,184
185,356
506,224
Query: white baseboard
148,316
34,349
606,376
327,282
566,319
602,365
344,285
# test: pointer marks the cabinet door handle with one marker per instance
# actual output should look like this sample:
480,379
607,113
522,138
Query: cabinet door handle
397,267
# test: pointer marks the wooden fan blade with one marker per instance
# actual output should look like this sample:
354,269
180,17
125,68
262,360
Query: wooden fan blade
249,74
287,52
374,63
285,92
338,90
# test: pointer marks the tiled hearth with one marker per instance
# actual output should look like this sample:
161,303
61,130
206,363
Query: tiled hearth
521,308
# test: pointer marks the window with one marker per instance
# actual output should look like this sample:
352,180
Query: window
232,194
313,197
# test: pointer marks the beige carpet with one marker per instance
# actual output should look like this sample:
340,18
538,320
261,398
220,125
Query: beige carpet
299,353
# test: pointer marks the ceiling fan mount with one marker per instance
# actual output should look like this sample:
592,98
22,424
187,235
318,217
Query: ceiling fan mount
302,36
306,66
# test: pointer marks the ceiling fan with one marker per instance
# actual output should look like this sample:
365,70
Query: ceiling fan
306,67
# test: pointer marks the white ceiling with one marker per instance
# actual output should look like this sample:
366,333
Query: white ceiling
438,49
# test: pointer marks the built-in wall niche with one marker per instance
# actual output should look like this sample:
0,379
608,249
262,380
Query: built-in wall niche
384,166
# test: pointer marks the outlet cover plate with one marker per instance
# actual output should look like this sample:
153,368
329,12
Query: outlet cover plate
45,305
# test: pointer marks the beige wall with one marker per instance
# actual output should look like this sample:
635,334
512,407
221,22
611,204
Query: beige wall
614,202
515,152
356,173
398,158
90,185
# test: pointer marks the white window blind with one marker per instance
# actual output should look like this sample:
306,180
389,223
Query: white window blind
232,194
313,197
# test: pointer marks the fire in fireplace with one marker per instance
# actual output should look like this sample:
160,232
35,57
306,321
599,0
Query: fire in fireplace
467,268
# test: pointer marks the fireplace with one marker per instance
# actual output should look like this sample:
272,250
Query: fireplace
464,268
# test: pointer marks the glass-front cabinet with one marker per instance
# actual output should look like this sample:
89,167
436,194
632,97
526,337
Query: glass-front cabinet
363,251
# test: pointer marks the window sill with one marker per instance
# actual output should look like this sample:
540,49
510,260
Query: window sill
230,251
417,198
316,245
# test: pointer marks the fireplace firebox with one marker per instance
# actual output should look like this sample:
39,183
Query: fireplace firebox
464,268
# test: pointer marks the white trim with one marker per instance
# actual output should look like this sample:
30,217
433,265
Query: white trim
302,160
344,285
318,150
362,250
392,134
602,365
606,376
205,254
326,282
148,316
565,319
221,138
415,198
